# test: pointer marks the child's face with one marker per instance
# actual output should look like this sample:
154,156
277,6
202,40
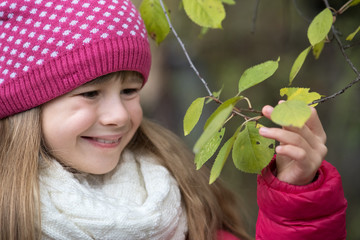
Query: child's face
88,128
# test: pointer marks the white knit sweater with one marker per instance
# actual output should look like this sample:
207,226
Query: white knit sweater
137,200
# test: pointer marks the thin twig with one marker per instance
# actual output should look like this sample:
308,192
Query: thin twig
352,44
343,50
184,49
237,111
357,79
344,7
255,16
300,12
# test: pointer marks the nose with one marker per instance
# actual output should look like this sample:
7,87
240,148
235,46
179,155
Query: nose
113,112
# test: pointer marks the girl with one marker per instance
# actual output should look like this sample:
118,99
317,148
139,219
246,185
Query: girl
78,161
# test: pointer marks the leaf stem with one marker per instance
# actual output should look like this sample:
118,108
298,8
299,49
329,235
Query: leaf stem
184,49
236,110
344,7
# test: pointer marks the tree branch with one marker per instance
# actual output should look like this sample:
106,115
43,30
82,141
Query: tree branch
300,12
184,49
255,16
342,49
357,79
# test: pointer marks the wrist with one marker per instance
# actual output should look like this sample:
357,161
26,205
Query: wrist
296,181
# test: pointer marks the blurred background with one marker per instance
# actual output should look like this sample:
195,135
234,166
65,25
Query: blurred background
249,37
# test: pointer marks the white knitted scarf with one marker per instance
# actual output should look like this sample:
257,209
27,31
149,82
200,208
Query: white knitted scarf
137,200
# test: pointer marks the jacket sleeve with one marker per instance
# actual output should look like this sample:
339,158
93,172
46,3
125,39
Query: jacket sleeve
314,211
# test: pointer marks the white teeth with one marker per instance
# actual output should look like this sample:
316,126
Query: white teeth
106,141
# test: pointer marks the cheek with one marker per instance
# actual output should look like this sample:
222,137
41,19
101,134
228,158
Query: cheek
138,117
136,113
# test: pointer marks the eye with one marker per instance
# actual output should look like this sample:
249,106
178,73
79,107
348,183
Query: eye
90,94
129,91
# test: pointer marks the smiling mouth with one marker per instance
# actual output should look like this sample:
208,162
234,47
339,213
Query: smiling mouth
104,141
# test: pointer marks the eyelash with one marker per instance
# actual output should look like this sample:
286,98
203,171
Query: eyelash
129,91
93,94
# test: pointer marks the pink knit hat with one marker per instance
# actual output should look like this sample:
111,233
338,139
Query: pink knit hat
50,47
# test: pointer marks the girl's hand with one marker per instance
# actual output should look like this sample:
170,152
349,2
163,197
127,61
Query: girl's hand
300,152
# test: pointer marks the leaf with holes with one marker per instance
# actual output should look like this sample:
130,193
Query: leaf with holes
291,113
298,64
301,94
209,13
252,152
320,27
154,19
208,150
257,74
193,114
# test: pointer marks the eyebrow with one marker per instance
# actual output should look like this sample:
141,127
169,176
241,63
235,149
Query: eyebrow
125,78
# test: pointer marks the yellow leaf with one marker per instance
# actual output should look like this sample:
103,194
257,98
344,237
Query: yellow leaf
301,94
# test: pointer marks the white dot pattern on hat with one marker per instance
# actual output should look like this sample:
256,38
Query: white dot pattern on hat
34,31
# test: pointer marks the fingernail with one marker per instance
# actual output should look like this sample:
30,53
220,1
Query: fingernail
263,130
278,148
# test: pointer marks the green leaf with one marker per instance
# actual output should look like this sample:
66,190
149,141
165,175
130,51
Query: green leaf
257,74
155,21
218,120
299,61
320,27
193,114
221,159
352,35
209,149
291,113
230,2
205,13
317,49
227,103
252,152
301,94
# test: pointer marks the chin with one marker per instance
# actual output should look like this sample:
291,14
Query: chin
101,171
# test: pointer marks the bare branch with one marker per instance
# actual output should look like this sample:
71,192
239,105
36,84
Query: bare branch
352,44
357,79
184,49
342,49
300,12
255,16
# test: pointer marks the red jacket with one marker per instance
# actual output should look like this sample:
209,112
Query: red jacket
314,211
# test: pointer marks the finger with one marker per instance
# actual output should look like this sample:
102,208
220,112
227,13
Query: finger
314,124
301,138
284,136
306,133
291,151
267,110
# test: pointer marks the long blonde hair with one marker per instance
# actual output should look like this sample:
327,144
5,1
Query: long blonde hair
209,207
19,188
